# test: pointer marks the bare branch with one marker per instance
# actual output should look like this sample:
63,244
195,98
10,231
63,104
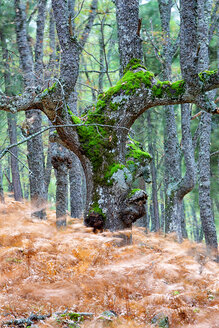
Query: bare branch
7,149
78,13
156,50
88,53
98,72
175,45
215,153
104,52
196,115
87,86
12,154
88,26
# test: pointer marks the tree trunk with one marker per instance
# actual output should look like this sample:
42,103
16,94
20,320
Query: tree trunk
162,210
48,170
35,159
183,221
75,179
143,221
2,198
177,187
172,158
75,173
33,118
127,16
61,161
156,223
7,173
12,129
206,214
195,225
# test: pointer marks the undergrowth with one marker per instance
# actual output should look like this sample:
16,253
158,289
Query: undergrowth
47,271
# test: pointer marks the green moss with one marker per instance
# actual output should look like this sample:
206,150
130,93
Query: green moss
100,105
50,90
92,140
97,141
205,75
172,90
134,64
113,169
96,209
134,151
130,82
132,166
133,191
179,86
114,106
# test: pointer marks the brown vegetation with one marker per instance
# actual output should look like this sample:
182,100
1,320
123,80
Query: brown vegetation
43,270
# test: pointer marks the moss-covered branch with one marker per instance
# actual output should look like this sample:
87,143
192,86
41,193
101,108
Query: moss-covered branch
136,83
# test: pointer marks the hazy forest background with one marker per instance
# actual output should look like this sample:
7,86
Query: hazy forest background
95,26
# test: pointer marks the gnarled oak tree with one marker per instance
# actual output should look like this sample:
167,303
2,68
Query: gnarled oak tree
100,137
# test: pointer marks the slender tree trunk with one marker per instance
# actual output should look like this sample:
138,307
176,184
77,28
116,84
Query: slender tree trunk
162,211
2,198
75,173
206,214
156,223
61,161
33,117
172,173
76,181
35,159
183,221
7,173
177,187
171,145
195,226
12,129
48,170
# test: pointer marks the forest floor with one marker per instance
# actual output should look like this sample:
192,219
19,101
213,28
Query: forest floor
154,282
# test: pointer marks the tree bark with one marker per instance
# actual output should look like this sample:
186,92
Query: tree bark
12,127
48,170
162,211
156,223
75,179
172,159
33,117
61,162
75,173
12,130
206,213
127,15
2,198
176,186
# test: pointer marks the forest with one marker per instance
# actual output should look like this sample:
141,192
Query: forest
109,162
